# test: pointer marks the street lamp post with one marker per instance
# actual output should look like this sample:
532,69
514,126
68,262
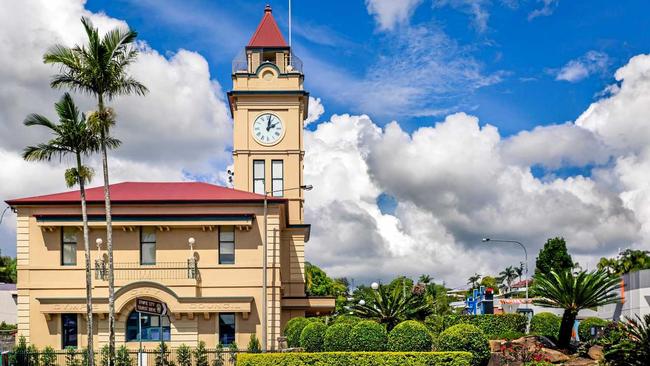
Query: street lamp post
307,187
3,214
485,240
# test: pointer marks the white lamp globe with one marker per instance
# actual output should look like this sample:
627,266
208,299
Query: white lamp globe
362,302
191,240
374,286
99,241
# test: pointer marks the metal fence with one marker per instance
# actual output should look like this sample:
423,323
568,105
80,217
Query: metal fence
148,357
132,271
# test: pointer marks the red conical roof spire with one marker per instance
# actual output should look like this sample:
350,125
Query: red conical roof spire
267,34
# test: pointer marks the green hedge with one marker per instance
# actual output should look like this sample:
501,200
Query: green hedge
293,329
546,324
312,336
337,338
496,326
466,337
585,326
368,336
409,336
357,359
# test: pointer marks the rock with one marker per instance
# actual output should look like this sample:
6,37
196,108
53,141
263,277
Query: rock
546,342
495,345
596,352
553,356
581,362
498,360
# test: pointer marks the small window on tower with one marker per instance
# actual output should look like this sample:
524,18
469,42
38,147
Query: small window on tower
277,176
258,176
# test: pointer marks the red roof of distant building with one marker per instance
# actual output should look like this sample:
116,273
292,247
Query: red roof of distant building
149,192
522,283
267,34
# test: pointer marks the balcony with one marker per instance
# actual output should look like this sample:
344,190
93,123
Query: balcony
134,271
292,63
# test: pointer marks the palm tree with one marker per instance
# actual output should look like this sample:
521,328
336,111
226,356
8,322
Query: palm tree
508,275
100,69
72,136
575,292
473,280
519,271
425,279
390,306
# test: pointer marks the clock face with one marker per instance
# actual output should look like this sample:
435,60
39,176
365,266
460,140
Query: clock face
268,129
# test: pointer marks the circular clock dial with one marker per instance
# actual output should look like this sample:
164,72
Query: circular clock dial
268,129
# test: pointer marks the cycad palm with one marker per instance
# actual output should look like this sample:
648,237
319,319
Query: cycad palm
71,137
390,306
575,292
100,69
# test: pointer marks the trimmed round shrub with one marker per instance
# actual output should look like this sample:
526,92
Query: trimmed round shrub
585,327
409,336
466,337
312,337
337,338
346,319
546,324
293,330
368,336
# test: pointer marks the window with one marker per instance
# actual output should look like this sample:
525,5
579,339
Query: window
258,177
68,330
68,246
151,327
226,328
277,177
226,245
147,245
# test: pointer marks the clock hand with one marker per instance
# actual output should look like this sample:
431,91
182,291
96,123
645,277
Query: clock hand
268,124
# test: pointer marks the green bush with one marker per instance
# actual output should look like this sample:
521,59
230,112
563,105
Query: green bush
368,336
201,354
71,357
585,326
409,336
546,324
435,323
346,319
466,337
122,358
312,337
254,345
337,338
495,326
293,329
48,357
358,358
184,355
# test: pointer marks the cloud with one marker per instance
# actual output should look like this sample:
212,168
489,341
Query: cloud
548,7
578,69
389,13
316,110
475,8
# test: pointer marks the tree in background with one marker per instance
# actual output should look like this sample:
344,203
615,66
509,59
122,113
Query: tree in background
8,271
574,292
627,261
317,283
490,282
553,257
507,276
100,70
473,280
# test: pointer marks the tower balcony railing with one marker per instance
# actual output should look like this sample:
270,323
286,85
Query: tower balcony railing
132,271
293,64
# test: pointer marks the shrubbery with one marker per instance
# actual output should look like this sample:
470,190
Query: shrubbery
546,324
312,337
293,330
358,358
346,319
465,337
409,336
368,336
585,327
496,326
337,338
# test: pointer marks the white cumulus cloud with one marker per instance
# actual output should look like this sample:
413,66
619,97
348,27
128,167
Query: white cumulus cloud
575,70
389,13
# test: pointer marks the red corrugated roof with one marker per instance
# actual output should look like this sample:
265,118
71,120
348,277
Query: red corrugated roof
149,192
267,34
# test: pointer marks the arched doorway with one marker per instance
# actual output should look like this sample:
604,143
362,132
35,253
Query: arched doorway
152,326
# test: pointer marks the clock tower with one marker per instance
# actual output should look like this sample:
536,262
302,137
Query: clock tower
268,105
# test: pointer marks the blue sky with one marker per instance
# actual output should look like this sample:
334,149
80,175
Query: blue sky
516,57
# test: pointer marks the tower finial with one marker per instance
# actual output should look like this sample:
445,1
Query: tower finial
267,9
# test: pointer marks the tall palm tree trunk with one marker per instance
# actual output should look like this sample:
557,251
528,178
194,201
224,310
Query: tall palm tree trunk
109,240
89,296
566,327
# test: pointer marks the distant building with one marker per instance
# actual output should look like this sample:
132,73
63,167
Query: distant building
8,303
635,297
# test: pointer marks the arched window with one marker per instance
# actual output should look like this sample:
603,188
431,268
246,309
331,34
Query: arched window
151,327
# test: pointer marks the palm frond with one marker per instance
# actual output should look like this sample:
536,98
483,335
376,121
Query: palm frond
39,120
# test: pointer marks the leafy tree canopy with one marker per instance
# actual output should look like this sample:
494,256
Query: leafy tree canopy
554,257
627,261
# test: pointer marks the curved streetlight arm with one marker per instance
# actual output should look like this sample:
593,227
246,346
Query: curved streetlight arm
3,213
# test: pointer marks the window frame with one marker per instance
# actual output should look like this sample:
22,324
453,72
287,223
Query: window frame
155,245
64,244
280,192
234,328
64,334
220,242
166,329
262,179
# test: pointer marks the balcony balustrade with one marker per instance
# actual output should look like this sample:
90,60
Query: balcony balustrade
134,271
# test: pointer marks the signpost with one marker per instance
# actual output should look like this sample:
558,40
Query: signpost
151,307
